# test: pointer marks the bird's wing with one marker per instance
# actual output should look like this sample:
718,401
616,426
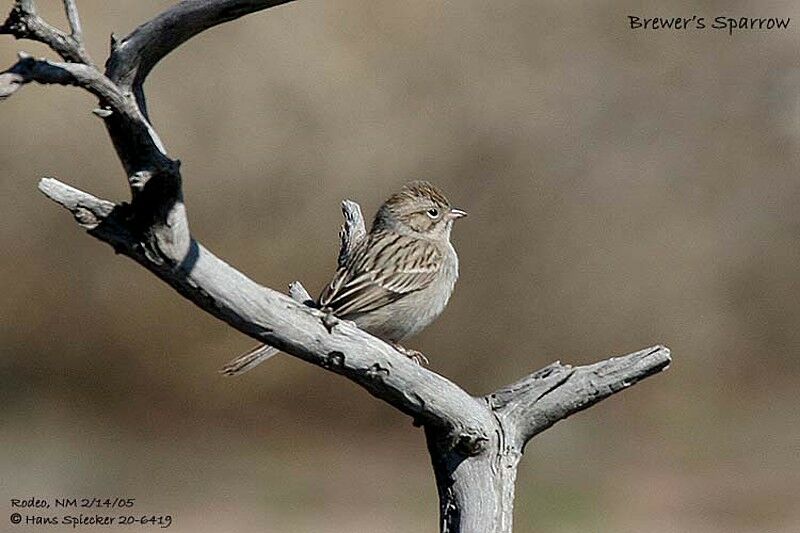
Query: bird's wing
384,269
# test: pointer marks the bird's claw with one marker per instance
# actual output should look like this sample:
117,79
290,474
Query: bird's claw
329,320
415,355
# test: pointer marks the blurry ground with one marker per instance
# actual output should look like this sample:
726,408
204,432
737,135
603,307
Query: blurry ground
623,188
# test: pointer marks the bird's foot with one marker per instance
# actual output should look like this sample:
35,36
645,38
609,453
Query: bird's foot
415,355
329,320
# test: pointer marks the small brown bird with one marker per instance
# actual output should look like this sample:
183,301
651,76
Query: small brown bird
398,278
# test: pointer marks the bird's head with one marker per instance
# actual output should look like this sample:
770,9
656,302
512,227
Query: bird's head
419,209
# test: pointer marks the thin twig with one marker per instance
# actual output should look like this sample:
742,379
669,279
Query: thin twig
74,20
352,232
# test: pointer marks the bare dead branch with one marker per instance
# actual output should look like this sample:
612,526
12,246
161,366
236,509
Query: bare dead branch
536,402
44,71
133,128
24,23
275,319
353,230
134,56
89,211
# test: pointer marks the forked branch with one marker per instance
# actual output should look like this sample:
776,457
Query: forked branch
539,400
24,23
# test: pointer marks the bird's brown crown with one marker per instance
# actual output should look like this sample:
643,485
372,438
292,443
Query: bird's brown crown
417,190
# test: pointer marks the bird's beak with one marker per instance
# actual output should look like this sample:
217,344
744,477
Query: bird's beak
458,213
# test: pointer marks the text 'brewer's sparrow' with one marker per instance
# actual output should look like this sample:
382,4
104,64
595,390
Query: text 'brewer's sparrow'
397,279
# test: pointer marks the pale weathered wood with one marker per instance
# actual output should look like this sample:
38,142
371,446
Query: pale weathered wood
24,23
476,492
353,230
475,443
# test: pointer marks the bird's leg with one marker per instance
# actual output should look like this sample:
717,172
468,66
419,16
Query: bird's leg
415,355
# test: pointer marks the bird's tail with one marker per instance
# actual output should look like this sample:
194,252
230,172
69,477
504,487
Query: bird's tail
248,361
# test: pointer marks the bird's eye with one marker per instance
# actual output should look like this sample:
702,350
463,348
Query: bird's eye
433,212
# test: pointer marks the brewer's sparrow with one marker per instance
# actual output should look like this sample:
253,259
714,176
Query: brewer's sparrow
397,279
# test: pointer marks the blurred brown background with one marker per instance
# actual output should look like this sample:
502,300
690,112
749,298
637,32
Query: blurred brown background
624,188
